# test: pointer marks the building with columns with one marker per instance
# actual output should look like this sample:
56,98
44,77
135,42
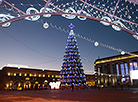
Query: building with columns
20,77
117,70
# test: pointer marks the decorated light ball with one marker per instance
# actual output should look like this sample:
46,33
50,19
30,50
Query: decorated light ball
46,25
96,43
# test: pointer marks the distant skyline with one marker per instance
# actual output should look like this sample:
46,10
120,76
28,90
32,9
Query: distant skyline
28,43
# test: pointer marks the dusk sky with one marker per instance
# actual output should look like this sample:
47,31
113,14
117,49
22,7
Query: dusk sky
29,43
51,42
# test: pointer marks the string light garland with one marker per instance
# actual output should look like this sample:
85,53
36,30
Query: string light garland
96,43
120,14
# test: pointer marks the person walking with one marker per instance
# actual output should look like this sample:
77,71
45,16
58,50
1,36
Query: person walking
72,86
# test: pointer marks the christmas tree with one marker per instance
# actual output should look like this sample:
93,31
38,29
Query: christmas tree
72,72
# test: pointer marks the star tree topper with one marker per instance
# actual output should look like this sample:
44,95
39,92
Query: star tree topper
71,26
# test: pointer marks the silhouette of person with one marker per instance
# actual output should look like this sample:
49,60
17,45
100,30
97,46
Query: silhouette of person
72,86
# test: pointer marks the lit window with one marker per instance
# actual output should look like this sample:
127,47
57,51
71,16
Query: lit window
34,75
27,78
25,74
7,85
30,75
52,76
45,81
48,75
39,75
19,84
9,74
43,75
14,74
57,76
20,74
10,83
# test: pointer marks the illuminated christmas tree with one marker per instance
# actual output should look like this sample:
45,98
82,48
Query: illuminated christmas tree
72,70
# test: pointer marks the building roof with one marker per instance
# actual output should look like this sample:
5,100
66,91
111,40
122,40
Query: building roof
28,68
117,57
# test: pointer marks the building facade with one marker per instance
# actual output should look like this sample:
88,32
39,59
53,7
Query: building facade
20,78
26,78
117,70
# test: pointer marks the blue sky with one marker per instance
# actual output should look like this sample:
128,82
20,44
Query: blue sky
28,43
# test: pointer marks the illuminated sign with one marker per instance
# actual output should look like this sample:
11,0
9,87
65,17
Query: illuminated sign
55,85
134,74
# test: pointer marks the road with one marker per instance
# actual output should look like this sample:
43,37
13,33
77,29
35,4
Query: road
87,95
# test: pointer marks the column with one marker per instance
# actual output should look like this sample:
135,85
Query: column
111,72
137,61
128,66
102,78
96,75
120,77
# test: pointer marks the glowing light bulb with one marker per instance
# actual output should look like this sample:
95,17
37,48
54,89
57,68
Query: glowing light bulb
46,25
96,43
122,52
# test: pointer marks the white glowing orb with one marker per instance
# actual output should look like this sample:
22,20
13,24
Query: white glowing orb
122,52
96,43
46,25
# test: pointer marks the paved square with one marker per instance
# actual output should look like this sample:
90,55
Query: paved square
89,95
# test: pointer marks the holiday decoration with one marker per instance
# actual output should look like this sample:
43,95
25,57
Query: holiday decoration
45,25
72,72
119,14
96,44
